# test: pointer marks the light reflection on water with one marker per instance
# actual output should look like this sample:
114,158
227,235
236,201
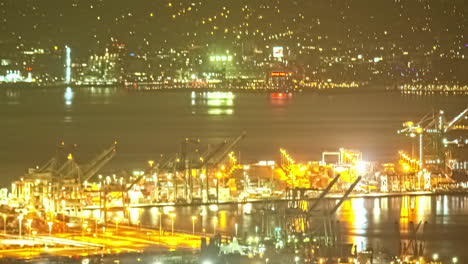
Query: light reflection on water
212,103
375,222
68,96
354,215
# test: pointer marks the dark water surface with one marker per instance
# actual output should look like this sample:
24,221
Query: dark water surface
381,223
147,124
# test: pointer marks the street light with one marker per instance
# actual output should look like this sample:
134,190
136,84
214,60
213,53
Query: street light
20,218
454,260
96,225
4,223
194,218
85,225
435,257
139,220
29,224
129,216
172,222
116,225
160,223
50,227
215,221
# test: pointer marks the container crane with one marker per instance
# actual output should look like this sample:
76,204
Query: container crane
99,162
433,132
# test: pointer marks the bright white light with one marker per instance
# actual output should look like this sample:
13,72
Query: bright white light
340,169
248,208
361,167
278,52
68,65
219,95
213,207
206,262
68,96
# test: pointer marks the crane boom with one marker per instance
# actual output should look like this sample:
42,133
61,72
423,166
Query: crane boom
49,165
98,160
325,192
98,166
64,167
225,149
345,196
455,120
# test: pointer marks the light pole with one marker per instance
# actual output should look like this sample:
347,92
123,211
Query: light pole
20,218
83,230
172,222
4,223
160,223
96,225
215,222
194,218
116,225
139,220
29,224
50,227
129,218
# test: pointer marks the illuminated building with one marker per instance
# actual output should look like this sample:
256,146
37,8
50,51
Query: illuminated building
102,70
12,76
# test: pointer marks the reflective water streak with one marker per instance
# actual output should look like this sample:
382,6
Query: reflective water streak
365,222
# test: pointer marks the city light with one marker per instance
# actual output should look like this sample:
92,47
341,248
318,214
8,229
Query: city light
182,83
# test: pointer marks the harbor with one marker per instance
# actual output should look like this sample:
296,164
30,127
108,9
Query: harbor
295,203
104,208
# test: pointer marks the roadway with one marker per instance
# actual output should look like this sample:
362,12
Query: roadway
123,239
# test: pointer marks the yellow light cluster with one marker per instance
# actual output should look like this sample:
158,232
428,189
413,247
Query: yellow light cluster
435,87
409,164
330,85
287,156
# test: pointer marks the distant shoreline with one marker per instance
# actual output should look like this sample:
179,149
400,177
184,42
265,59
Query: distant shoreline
368,89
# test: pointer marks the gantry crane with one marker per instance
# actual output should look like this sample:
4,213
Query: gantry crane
213,159
435,147
186,165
